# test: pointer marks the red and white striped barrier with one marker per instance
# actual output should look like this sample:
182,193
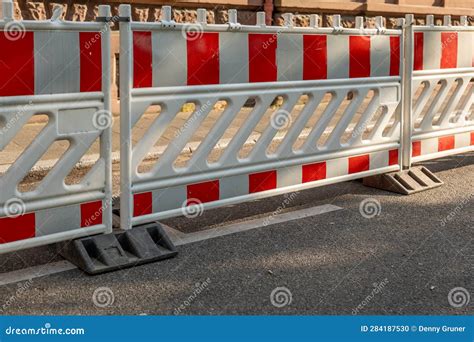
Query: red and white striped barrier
180,58
51,221
443,50
262,184
61,69
430,148
50,62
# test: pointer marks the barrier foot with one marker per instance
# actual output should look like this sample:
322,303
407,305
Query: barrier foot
405,182
104,253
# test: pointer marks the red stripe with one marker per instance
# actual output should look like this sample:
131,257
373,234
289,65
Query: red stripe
449,50
418,56
313,172
314,57
142,62
90,45
262,181
446,143
203,58
359,59
17,64
359,164
395,56
203,192
416,149
142,204
393,157
91,213
17,228
262,57
472,138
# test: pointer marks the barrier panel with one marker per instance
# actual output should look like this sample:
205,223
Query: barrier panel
60,70
440,92
168,66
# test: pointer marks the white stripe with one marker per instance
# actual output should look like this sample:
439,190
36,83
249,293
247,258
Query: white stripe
169,58
431,50
379,56
289,57
338,56
233,57
234,186
337,167
57,62
378,160
56,220
169,198
35,272
462,140
465,45
182,239
288,176
429,146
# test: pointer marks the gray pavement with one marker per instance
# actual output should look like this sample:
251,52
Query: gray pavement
405,260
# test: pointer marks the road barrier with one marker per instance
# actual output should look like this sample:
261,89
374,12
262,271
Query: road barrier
168,65
439,87
61,70
305,107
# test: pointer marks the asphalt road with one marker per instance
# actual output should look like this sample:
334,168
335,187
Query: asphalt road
405,260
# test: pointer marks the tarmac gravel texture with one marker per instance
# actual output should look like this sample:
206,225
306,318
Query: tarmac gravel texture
403,260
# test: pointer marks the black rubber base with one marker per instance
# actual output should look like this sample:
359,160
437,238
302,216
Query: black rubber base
406,182
109,252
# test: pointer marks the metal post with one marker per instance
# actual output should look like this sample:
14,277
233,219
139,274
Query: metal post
126,201
407,76
106,146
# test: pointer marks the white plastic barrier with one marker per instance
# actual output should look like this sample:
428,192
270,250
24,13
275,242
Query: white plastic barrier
168,65
62,70
440,89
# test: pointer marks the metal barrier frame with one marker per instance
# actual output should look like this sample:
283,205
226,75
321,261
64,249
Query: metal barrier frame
51,103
